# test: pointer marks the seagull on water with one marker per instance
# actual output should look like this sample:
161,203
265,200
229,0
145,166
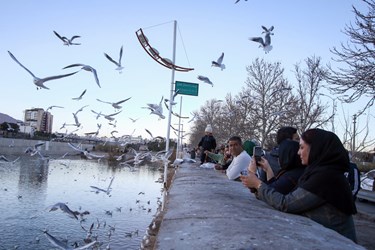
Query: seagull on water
79,97
62,245
219,62
87,68
39,82
266,43
205,79
118,64
66,40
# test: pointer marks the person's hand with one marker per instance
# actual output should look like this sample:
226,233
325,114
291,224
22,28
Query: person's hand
252,166
264,164
250,180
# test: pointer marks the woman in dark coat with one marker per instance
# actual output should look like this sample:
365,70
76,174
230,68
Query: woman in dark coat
323,193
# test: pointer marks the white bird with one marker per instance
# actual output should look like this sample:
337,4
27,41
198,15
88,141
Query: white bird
86,152
219,62
116,105
79,97
108,190
3,159
60,244
133,120
156,109
266,43
66,40
118,64
205,79
39,82
98,114
33,150
63,208
53,106
110,117
87,68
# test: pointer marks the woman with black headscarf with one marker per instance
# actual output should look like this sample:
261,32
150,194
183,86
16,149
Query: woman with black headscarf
323,193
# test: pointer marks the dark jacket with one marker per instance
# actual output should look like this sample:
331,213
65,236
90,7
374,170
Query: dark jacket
208,142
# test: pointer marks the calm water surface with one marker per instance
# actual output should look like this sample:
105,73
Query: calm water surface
29,186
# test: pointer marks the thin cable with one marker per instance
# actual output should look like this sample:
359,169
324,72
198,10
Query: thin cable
183,45
157,25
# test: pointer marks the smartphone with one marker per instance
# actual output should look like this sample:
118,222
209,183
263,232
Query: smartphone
258,153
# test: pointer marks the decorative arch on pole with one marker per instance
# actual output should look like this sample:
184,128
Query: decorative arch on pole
155,54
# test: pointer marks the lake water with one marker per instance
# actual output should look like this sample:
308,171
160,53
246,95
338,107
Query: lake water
30,186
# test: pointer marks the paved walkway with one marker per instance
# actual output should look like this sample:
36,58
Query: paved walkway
205,210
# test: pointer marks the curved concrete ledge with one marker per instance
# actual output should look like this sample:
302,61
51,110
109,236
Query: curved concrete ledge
205,210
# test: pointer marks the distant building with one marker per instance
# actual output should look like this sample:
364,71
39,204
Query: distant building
39,120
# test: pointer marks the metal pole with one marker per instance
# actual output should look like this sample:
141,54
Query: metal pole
169,115
179,130
354,131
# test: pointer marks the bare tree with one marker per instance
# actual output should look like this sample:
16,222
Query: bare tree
357,77
269,93
309,112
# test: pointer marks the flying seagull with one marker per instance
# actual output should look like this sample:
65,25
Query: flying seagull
116,105
67,41
238,1
54,106
87,68
79,97
205,79
63,208
266,43
219,62
39,82
118,64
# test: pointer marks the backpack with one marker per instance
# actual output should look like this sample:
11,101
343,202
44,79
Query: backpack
353,177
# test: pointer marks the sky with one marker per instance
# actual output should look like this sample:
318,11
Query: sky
205,29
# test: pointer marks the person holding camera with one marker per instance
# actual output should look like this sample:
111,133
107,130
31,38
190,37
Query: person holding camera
291,168
323,193
241,159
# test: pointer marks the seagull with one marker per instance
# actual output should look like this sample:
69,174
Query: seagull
39,82
98,114
66,40
62,245
266,43
219,62
53,106
81,109
156,109
238,1
108,190
133,120
118,64
85,152
116,105
87,68
3,159
63,208
79,97
33,150
109,117
205,79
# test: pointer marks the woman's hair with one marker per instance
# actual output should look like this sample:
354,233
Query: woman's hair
285,133
308,136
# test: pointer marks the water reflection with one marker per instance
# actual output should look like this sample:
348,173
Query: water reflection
120,218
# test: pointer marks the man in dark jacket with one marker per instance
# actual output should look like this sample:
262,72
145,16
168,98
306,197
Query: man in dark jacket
208,142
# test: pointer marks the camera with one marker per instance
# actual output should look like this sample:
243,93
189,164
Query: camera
258,153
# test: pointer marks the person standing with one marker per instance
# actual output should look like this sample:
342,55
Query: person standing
208,142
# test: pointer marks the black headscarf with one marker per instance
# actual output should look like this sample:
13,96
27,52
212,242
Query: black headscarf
324,174
288,155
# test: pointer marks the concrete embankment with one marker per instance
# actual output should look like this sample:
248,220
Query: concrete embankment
9,146
205,210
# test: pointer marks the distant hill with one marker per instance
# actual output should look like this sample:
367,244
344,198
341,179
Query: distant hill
7,118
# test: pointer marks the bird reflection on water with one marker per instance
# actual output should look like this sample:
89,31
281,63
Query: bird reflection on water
67,182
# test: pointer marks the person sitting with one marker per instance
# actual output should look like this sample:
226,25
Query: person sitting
207,142
222,158
291,168
241,159
322,193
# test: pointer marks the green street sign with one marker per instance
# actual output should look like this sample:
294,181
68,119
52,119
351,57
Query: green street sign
187,88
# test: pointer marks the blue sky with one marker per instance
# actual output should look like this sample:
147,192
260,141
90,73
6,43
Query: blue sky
205,30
